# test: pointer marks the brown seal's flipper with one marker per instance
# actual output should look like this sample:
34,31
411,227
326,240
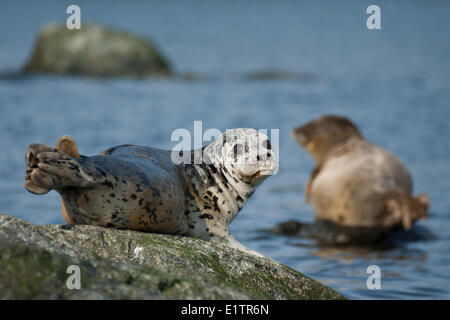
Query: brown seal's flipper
405,209
314,174
420,206
67,145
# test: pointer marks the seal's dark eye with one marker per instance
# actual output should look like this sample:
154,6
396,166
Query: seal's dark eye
238,149
266,144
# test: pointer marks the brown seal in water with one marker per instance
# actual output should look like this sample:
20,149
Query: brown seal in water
355,183
142,188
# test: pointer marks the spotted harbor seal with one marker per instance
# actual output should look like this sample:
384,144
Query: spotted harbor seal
141,188
355,183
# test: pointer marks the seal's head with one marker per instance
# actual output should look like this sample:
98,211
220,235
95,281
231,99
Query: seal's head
319,136
245,156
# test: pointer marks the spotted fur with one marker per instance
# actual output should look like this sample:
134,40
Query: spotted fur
140,188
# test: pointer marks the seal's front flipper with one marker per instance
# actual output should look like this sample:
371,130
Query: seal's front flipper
48,168
308,190
233,243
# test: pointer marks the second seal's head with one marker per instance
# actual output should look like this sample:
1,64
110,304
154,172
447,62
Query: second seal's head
322,134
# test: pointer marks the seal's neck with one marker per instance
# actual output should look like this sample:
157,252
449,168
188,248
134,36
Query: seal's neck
211,189
320,155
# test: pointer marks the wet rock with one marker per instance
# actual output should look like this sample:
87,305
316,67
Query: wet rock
329,233
124,264
265,75
95,50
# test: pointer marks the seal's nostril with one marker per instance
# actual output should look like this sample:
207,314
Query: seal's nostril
32,161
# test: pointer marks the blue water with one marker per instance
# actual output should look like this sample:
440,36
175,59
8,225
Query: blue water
394,83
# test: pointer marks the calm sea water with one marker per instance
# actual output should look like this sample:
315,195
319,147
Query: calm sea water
394,83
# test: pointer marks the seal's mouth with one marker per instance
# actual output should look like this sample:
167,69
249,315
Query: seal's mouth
255,175
261,173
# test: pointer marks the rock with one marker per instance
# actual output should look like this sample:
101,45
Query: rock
274,75
124,264
329,233
94,50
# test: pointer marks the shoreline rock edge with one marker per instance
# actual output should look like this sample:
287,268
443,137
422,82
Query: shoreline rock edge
124,264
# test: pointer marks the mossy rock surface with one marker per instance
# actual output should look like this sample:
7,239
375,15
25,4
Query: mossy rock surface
123,264
95,50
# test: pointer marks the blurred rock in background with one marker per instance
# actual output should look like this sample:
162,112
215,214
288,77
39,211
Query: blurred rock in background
95,50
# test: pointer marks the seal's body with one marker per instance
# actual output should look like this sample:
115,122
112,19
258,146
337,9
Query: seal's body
142,188
355,183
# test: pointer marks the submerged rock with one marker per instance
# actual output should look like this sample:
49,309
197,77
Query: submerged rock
124,264
95,50
329,233
263,75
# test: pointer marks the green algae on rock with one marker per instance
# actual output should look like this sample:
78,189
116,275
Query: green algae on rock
124,264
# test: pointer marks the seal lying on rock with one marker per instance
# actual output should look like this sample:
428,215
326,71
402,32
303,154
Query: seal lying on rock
355,183
141,188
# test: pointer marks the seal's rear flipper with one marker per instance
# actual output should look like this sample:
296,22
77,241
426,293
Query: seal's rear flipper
406,209
32,179
67,145
420,206
48,168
